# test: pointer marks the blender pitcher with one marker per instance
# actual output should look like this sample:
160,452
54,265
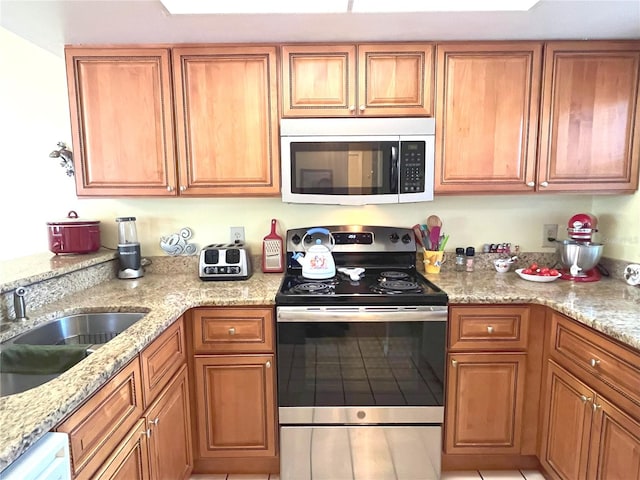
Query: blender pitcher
129,249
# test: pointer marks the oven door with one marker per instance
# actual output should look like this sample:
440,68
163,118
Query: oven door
361,365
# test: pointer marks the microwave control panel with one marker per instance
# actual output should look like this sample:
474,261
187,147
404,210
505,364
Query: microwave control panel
412,167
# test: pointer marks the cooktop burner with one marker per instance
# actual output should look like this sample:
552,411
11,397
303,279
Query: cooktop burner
388,257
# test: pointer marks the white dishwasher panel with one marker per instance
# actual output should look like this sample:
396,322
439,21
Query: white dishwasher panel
47,459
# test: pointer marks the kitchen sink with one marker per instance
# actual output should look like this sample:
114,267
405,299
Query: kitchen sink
82,328
44,352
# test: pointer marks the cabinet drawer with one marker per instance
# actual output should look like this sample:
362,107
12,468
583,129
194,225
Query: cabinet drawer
488,328
103,420
614,365
160,360
233,330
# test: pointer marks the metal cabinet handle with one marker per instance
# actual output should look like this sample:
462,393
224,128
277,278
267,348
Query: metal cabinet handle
531,184
146,432
490,329
268,364
454,363
585,399
544,184
232,331
169,188
594,362
155,421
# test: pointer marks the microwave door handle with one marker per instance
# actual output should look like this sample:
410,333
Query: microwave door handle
393,181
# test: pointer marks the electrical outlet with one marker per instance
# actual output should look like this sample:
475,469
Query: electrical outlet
237,234
549,231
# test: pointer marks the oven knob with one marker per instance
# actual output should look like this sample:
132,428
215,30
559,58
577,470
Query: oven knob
296,239
394,237
406,238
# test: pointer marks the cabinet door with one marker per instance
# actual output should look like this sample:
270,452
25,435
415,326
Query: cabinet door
395,80
227,120
169,424
318,80
235,398
566,425
589,124
615,444
122,121
487,116
485,393
130,460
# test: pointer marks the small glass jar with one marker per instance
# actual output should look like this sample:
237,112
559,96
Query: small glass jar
460,259
470,254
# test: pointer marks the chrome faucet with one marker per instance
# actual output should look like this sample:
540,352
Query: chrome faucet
19,305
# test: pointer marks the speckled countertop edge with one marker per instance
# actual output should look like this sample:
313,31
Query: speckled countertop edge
609,306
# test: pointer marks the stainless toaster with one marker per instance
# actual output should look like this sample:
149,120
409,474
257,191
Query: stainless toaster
225,261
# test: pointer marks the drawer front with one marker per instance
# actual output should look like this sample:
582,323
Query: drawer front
600,357
103,420
161,360
488,328
236,330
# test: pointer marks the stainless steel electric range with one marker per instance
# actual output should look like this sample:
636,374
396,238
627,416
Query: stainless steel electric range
360,359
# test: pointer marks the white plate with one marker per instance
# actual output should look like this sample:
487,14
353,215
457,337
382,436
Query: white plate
536,278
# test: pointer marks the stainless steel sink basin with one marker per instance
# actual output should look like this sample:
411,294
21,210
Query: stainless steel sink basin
43,353
82,328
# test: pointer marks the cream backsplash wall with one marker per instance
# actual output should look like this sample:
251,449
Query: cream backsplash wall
34,116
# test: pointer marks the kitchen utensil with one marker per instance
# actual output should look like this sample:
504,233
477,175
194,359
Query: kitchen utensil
433,221
425,235
317,261
73,235
129,249
272,251
432,261
536,278
434,238
443,243
580,259
354,273
418,234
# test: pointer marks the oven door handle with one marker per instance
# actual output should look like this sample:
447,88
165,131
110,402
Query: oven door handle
361,314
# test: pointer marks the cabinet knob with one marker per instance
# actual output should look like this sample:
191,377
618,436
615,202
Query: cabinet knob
531,184
594,362
362,107
544,184
585,399
454,363
155,421
146,432
232,331
268,364
169,188
182,188
490,329
352,108
595,406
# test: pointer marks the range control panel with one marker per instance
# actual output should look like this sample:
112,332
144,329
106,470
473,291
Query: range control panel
221,261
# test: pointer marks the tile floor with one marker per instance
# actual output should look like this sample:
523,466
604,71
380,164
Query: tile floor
468,475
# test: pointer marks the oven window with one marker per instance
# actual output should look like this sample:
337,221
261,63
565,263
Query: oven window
341,168
361,363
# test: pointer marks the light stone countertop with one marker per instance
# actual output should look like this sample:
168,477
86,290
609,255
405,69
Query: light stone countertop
609,306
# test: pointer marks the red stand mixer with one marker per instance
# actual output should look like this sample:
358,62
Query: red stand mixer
579,255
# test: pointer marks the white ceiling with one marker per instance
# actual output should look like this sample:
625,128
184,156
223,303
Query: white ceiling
53,23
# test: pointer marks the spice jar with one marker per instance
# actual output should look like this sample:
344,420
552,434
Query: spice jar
470,253
460,259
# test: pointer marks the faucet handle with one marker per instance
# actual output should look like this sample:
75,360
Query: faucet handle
18,303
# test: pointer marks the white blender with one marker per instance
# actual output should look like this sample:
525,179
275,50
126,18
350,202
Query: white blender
129,249
580,255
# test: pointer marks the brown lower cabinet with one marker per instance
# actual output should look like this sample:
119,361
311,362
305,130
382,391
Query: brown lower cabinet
234,390
112,436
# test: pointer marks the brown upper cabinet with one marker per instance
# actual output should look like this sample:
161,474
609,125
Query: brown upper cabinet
124,131
377,80
122,121
227,120
486,116
589,129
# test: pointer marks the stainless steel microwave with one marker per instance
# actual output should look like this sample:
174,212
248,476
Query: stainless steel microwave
357,161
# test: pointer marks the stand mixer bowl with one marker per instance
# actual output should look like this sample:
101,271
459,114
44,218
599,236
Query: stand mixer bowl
585,255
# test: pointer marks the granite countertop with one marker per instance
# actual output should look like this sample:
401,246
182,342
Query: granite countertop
609,306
